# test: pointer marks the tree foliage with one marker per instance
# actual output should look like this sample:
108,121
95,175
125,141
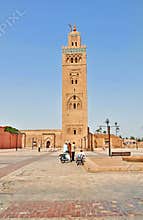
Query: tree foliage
11,130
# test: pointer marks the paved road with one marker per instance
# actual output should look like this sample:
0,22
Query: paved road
42,187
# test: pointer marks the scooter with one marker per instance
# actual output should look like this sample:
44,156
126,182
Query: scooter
64,157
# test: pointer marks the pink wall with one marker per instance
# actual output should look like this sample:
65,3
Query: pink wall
8,140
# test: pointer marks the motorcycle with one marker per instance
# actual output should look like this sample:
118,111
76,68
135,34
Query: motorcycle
64,157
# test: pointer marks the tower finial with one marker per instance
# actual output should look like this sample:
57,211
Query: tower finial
74,28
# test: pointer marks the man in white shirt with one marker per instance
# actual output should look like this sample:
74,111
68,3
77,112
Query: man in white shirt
65,147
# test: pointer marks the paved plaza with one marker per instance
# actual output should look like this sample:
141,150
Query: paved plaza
35,185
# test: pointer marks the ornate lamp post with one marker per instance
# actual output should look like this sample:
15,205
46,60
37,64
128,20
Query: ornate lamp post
108,131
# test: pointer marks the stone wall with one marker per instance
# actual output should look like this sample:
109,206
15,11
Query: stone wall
31,138
101,140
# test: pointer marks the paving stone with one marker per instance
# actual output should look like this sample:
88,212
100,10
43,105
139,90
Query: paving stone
39,186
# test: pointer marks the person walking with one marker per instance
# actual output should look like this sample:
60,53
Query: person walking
73,151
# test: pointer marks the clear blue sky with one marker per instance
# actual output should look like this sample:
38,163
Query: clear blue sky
30,61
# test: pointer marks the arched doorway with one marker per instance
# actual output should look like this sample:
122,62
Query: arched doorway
49,140
48,144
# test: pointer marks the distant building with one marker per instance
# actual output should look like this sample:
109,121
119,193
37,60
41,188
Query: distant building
140,144
129,142
102,140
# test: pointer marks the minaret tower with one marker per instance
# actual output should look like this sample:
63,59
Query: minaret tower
74,90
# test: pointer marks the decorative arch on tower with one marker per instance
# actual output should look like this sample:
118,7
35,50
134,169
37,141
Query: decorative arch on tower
73,58
74,103
74,77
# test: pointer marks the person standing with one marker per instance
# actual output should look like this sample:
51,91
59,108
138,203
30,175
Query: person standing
65,147
39,146
69,150
73,151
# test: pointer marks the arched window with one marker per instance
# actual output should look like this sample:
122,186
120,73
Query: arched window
76,81
72,81
76,60
74,131
71,60
74,103
70,106
78,106
76,44
72,43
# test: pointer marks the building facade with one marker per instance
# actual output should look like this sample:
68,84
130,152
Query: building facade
46,137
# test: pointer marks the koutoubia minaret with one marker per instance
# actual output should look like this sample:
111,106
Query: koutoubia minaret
74,91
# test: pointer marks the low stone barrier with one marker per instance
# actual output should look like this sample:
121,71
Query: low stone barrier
127,153
133,159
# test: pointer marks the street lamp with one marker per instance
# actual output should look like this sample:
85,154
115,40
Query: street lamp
108,131
116,128
100,129
107,121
